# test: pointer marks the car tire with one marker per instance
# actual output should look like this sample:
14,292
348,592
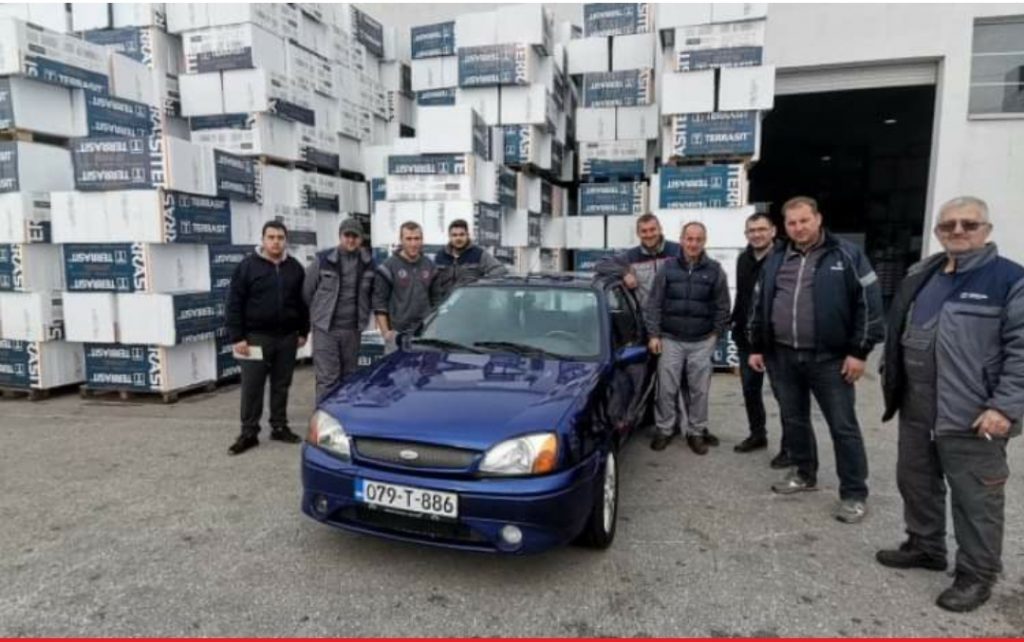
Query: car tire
604,515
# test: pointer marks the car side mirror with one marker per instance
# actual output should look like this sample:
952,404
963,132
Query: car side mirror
631,354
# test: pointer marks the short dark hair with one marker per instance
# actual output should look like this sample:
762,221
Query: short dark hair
412,226
703,228
797,201
646,218
274,225
758,215
460,224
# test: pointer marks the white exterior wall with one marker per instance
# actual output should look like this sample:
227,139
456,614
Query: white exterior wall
984,158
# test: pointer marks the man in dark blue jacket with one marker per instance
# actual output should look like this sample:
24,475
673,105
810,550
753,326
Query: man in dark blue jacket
817,313
461,262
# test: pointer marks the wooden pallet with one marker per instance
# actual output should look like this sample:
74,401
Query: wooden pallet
624,178
34,394
127,394
25,136
681,161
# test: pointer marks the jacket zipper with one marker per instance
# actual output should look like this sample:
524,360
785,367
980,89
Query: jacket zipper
796,299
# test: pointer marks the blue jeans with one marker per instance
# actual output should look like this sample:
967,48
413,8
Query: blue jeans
795,375
753,383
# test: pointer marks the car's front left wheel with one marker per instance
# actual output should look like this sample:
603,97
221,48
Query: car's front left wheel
600,529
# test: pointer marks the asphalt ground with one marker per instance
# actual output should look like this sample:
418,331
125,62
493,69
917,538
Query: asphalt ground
129,519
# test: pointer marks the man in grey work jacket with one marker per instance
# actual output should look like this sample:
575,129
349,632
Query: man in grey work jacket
954,371
637,266
337,290
401,289
688,309
816,315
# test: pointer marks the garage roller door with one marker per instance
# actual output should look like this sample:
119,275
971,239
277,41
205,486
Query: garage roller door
814,80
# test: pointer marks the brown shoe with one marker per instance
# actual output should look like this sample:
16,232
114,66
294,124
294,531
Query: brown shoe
697,444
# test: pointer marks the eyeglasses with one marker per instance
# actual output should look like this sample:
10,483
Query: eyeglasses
948,227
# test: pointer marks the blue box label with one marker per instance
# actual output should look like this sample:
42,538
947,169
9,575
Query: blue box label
236,177
112,163
6,105
57,73
223,261
612,199
614,19
617,88
429,165
123,366
490,65
606,168
227,365
508,187
193,218
220,121
19,364
436,97
703,186
134,42
369,32
488,224
378,189
110,116
700,59
431,41
10,268
9,176
104,267
587,260
320,159
727,133
292,111
197,316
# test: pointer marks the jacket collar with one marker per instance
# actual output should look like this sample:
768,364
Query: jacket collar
701,260
262,255
658,249
776,244
450,252
976,258
334,255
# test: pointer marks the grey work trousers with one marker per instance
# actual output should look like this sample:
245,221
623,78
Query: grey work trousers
690,363
335,356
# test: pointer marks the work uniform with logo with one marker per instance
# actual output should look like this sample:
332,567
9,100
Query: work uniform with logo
401,290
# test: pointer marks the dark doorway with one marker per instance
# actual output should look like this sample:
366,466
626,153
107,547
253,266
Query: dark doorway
864,154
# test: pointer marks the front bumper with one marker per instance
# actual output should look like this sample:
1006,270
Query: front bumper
550,510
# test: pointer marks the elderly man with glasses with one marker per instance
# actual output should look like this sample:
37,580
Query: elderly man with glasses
954,371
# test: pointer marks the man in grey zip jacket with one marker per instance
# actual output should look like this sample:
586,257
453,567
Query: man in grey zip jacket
637,266
337,290
954,371
401,290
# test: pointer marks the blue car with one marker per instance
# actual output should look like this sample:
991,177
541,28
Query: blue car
496,427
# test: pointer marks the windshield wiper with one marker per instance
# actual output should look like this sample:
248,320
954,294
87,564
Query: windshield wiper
443,343
522,348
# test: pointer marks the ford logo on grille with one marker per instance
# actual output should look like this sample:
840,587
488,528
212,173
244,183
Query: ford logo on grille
408,455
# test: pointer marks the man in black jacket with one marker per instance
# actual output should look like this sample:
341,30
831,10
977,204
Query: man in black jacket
817,313
461,262
760,233
267,321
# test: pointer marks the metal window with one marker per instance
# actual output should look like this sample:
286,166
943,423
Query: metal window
997,67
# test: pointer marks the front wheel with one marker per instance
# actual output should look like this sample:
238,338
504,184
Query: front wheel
600,529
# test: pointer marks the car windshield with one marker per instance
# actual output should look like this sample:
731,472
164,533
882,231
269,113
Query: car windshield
551,322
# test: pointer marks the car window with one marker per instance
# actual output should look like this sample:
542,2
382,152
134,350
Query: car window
564,321
625,331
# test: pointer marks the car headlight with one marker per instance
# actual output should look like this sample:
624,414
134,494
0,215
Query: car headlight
326,432
528,455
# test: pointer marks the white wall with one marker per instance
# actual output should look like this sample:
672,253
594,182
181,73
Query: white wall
984,158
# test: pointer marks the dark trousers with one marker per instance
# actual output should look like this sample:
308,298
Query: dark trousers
753,383
279,364
335,356
795,376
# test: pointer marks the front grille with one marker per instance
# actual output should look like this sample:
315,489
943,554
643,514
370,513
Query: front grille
427,456
410,525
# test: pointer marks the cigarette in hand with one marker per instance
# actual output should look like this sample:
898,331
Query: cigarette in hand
988,436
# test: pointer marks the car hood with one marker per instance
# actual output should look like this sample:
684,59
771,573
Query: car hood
460,399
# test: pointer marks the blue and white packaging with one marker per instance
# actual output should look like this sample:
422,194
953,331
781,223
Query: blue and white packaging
521,228
90,317
490,65
34,167
587,260
617,18
527,145
431,41
262,90
743,88
700,59
618,88
25,217
691,92
169,319
436,97
701,186
728,134
40,365
227,365
100,115
147,368
136,267
31,316
369,32
164,216
236,177
508,187
241,46
613,199
35,106
48,56
616,159
459,164
32,267
112,163
488,222
250,134
708,38
452,130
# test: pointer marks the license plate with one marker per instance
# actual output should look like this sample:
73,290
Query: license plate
407,498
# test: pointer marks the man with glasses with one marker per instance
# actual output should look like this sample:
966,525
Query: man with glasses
817,313
337,290
461,262
760,233
954,371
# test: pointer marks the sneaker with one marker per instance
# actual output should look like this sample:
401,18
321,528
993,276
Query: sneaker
243,443
967,593
781,461
850,511
285,435
697,444
910,556
660,442
710,439
794,482
750,444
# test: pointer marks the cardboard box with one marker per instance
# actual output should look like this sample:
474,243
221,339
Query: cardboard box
145,368
52,57
619,88
49,15
136,267
700,59
132,80
112,163
522,228
687,93
40,366
90,316
617,19
613,199
34,167
486,102
700,187
621,232
169,319
369,32
552,232
202,94
527,145
594,125
25,217
682,14
101,115
616,159
487,66
239,46
476,29
246,223
227,365
163,216
250,135
30,267
744,88
734,11
524,23
637,123
728,134
589,55
452,130
526,105
31,316
716,38
224,260
583,232
634,51
587,260
431,41
258,90
35,106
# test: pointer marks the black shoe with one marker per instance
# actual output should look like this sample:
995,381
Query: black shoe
285,435
910,556
781,460
794,482
660,442
967,593
750,444
710,439
697,444
243,443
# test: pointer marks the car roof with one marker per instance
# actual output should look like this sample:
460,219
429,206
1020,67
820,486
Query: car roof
567,280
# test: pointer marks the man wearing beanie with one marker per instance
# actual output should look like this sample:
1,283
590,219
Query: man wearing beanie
337,289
